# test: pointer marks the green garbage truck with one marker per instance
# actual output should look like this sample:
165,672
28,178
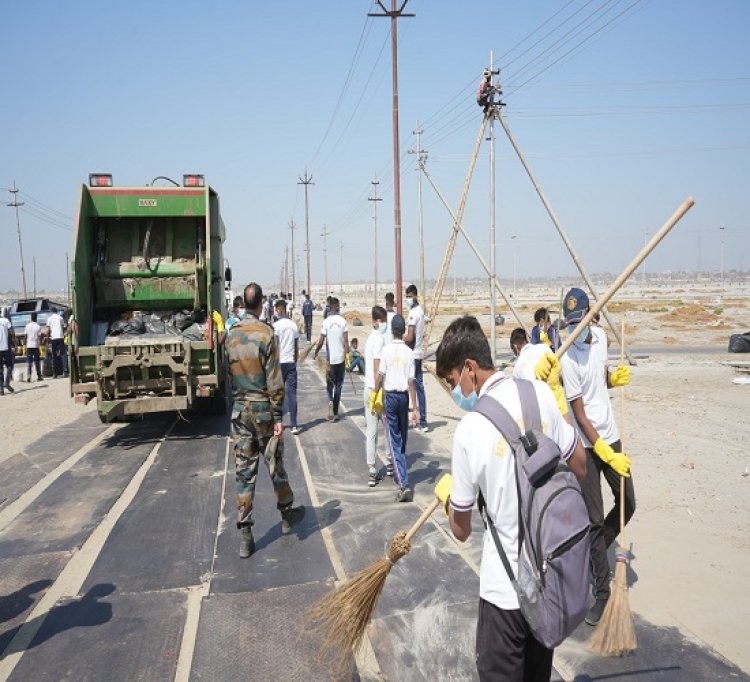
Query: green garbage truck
148,277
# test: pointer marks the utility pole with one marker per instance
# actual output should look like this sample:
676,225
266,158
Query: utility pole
325,234
395,14
375,200
15,204
341,270
292,228
494,88
421,158
286,272
306,180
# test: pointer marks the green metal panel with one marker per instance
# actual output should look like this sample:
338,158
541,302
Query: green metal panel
149,202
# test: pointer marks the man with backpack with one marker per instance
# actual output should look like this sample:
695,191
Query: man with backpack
485,465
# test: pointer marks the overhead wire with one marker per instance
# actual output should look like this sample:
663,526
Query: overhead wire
43,207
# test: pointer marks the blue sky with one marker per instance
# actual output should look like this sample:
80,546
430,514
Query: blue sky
653,107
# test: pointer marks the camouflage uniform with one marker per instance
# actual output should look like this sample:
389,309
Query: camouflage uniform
257,392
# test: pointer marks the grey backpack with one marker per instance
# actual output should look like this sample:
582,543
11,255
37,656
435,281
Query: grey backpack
553,525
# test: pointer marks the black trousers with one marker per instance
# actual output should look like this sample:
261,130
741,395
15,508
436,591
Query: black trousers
506,649
604,530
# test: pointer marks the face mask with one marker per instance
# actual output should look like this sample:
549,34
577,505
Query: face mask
382,327
410,303
581,334
241,313
463,401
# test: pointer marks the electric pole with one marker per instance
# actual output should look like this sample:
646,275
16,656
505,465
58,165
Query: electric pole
493,307
395,14
15,204
421,158
306,180
374,199
292,228
286,272
325,234
341,270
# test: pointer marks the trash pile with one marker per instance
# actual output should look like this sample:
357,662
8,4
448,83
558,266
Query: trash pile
189,325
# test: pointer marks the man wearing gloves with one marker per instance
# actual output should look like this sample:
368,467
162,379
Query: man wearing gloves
336,337
482,461
586,379
373,406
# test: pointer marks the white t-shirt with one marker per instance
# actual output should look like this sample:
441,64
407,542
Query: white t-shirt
5,328
416,320
483,460
333,329
528,359
601,342
33,330
583,375
56,326
397,366
373,349
287,333
388,336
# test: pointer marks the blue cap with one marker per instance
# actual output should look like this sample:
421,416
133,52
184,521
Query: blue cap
575,305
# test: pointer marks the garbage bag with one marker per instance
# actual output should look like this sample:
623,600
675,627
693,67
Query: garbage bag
134,325
739,343
183,319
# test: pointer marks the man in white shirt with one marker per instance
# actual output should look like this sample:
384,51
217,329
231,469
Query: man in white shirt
396,377
6,352
336,337
390,311
482,461
415,339
288,334
586,379
33,331
56,326
373,351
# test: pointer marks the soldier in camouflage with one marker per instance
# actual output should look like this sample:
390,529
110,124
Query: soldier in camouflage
258,393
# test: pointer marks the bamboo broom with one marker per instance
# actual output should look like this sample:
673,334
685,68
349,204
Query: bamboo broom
615,633
341,617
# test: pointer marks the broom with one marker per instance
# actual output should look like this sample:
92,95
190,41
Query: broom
615,633
340,618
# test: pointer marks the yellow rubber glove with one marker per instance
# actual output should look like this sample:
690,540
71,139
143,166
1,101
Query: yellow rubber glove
619,461
376,402
620,377
562,401
548,370
347,361
443,490
543,337
218,321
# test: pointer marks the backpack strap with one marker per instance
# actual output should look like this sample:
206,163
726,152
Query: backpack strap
491,409
532,418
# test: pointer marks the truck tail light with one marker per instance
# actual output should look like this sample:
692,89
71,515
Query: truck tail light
100,180
193,181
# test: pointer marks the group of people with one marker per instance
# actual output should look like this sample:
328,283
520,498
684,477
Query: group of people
573,403
589,443
36,337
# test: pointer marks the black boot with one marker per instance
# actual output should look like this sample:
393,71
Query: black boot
290,518
247,543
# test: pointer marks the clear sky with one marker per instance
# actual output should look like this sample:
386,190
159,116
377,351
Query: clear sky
652,105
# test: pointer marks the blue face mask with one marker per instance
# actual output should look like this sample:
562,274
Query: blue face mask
581,333
463,401
382,327
410,302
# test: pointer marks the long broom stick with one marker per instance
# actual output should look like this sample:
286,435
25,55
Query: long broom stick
341,617
615,633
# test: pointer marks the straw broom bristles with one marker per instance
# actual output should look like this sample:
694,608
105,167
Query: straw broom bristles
340,618
615,633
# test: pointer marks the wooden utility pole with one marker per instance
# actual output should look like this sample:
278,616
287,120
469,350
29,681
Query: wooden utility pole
306,180
395,14
374,198
15,204
325,234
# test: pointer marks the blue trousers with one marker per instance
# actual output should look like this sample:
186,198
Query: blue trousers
419,386
32,356
289,374
60,351
397,413
308,327
6,359
334,381
358,362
